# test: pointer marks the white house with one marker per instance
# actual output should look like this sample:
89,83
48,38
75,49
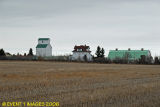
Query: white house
82,53
44,47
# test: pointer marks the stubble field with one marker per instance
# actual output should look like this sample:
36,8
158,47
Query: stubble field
80,84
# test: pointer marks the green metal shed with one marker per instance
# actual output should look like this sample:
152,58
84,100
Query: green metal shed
130,54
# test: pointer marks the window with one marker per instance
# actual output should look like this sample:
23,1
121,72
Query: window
79,50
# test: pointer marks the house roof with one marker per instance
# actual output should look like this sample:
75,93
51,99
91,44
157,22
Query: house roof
41,45
43,39
83,47
132,54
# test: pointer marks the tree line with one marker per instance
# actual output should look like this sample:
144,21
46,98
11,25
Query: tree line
98,58
30,53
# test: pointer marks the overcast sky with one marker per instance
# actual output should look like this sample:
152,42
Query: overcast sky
111,24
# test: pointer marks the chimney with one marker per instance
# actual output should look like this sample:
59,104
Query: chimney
142,49
129,49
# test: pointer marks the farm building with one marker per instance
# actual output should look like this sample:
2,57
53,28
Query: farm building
44,47
82,53
131,55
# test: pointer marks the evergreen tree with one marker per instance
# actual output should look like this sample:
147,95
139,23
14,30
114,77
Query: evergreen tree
30,52
102,53
2,53
98,52
25,54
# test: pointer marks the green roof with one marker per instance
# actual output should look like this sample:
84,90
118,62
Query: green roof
132,54
41,46
43,39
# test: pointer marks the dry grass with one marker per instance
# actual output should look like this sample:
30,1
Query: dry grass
80,84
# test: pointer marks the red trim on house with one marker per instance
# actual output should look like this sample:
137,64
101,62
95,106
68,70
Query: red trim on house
84,48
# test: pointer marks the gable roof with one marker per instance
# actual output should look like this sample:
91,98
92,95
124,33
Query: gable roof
41,45
132,54
43,39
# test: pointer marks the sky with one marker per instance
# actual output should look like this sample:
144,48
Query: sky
110,24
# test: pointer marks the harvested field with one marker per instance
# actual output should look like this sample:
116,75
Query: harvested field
80,84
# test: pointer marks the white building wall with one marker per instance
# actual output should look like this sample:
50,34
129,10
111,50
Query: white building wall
49,50
44,51
80,56
41,52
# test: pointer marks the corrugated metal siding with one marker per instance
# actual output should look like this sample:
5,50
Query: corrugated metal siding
132,54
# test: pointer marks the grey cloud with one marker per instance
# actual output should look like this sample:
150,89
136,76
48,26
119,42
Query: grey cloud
109,23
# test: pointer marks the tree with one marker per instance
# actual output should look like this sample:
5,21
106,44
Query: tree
102,53
30,52
142,59
98,52
25,54
18,54
156,60
2,53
